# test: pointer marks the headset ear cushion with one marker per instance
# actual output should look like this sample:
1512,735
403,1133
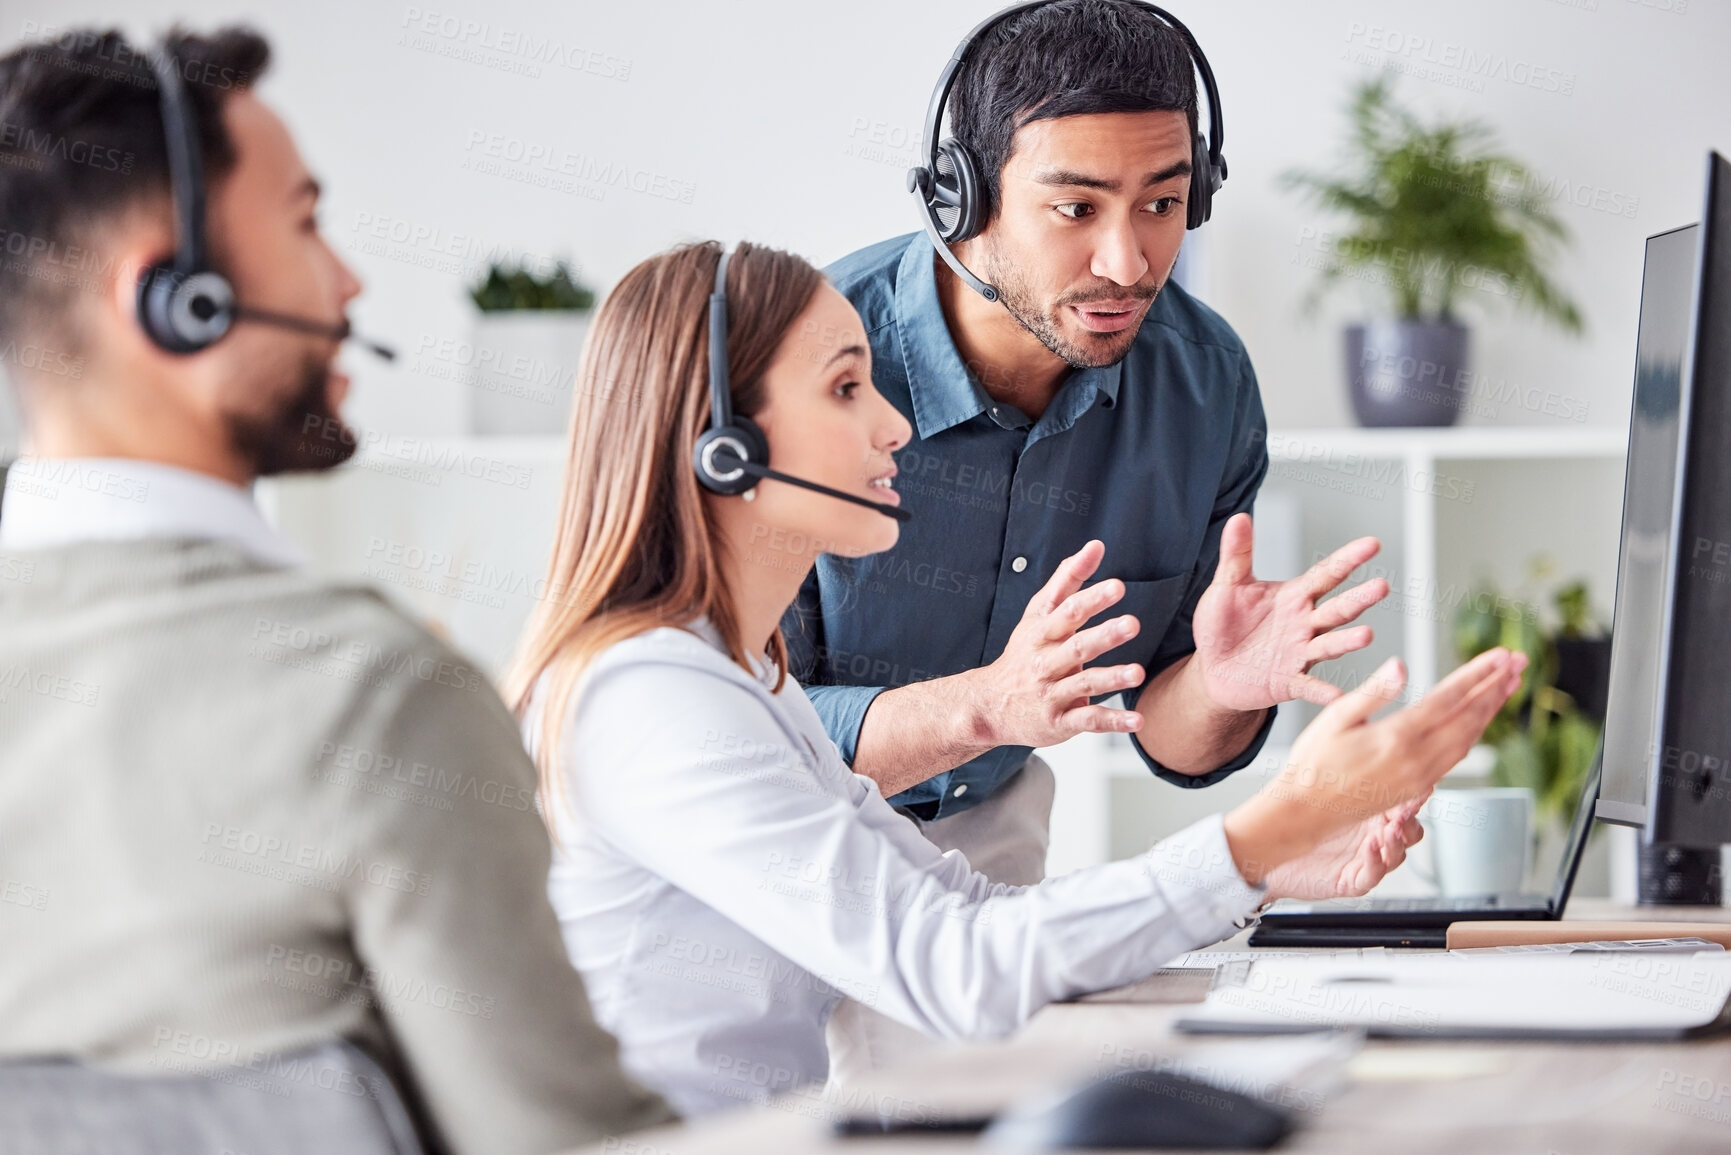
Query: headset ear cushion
184,313
1206,178
957,171
754,439
744,434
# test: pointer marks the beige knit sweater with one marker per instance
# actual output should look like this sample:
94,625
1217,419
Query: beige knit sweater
243,809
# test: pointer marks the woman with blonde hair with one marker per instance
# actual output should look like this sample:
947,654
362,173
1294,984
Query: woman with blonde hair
722,877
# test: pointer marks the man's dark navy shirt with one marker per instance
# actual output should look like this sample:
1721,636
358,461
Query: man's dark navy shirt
1150,455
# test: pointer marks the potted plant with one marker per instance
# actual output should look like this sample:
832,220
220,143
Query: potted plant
1436,216
523,362
1546,735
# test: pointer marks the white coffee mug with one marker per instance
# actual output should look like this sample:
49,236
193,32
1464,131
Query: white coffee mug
1481,839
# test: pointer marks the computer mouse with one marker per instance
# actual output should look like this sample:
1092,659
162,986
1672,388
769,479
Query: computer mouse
1140,1110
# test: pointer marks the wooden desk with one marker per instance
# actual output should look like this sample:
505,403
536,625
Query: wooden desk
1414,1098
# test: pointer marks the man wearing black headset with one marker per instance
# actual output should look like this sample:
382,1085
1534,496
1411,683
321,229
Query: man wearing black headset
255,811
1088,442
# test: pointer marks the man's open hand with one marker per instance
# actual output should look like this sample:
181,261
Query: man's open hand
1038,691
1256,640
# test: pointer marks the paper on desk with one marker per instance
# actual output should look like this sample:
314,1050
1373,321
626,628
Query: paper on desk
1589,994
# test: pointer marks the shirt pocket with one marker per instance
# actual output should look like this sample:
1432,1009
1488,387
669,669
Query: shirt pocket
1154,603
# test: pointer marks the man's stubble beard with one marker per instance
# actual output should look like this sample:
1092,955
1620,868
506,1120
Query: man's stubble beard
1019,300
300,434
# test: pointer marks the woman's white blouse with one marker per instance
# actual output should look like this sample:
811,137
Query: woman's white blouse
723,879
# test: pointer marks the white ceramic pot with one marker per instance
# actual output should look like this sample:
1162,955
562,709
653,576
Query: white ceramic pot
521,371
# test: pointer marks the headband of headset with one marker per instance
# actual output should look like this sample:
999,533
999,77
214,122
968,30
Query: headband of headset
185,165
946,81
720,386
950,179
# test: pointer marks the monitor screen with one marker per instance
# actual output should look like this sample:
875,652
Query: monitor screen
1649,502
1691,793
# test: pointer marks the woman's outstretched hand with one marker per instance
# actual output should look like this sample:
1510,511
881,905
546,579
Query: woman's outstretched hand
1353,860
1340,814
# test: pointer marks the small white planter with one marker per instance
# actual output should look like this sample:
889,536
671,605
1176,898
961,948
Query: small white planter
522,369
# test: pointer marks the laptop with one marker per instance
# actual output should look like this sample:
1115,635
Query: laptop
1424,922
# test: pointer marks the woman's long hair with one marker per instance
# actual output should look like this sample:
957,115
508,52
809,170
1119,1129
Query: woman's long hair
633,549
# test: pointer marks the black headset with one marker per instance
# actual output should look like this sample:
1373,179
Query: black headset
732,454
949,188
184,305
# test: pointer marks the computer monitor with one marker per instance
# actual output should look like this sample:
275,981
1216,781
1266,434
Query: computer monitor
1667,746
1649,502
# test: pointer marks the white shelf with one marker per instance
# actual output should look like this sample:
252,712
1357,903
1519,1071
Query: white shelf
1416,454
396,446
1459,444
1452,444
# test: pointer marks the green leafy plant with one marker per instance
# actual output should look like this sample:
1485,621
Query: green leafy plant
1542,738
1437,214
508,287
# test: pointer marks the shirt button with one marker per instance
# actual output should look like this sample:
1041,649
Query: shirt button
1019,564
961,790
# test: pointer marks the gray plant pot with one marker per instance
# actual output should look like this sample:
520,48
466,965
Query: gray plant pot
1407,372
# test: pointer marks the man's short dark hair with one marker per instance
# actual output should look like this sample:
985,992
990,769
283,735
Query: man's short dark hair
1067,58
81,144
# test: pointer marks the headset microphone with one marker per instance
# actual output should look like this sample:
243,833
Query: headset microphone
725,460
184,305
728,454
339,332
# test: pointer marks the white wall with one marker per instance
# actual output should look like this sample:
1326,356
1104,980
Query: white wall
791,121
